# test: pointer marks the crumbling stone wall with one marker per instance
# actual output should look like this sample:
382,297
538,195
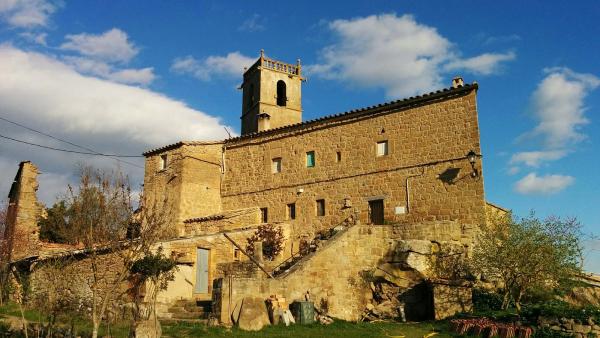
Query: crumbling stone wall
69,278
24,211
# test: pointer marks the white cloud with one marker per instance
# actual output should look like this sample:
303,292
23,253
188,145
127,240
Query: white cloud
40,38
111,46
143,76
26,13
232,64
543,185
501,39
252,24
47,94
484,64
535,158
558,106
395,53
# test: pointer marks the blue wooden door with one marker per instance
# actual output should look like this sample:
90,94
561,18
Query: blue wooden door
201,271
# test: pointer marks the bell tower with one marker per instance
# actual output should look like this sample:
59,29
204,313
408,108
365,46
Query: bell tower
272,95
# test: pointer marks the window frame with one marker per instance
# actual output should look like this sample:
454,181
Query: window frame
163,162
321,209
386,149
264,215
313,155
291,211
276,165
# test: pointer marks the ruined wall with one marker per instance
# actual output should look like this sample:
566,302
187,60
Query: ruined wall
427,148
190,184
69,279
24,210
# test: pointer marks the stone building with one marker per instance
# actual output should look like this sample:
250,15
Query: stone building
378,176
375,191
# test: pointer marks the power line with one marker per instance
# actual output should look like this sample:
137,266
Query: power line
93,152
67,150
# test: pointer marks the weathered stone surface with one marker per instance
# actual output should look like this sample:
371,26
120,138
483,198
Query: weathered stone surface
398,274
253,315
148,329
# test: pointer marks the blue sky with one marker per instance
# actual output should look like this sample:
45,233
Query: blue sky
123,77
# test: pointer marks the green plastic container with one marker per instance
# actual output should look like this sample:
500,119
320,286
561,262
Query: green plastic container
303,312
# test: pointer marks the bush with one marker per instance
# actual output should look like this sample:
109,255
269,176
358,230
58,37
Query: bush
484,300
546,332
272,241
560,309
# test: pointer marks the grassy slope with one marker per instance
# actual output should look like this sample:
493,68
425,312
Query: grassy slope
338,329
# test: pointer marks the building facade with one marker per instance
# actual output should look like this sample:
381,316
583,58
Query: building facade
412,166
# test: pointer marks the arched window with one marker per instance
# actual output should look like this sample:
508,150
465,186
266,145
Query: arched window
281,93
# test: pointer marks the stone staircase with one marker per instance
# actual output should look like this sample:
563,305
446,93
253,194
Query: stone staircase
188,311
322,238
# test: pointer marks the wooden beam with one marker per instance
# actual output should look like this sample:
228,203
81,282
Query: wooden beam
249,256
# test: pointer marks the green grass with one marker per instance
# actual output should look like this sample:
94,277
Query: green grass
337,329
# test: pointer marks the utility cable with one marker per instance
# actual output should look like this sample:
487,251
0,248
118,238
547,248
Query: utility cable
93,152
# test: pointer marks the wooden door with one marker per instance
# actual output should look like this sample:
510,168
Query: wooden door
376,212
201,271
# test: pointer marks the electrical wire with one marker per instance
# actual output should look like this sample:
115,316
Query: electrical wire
67,150
91,151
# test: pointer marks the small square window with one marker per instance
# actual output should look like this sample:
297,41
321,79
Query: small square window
163,162
338,156
320,207
264,215
382,148
291,211
310,159
276,165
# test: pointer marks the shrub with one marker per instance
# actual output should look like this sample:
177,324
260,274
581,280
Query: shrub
272,241
484,300
560,309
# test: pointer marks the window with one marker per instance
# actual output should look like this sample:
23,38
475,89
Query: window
291,211
276,165
320,207
338,156
310,159
264,215
281,93
237,255
382,148
163,162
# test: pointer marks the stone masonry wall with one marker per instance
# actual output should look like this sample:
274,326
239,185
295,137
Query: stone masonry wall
425,173
190,184
332,275
24,211
69,278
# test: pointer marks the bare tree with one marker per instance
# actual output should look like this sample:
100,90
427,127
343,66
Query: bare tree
102,215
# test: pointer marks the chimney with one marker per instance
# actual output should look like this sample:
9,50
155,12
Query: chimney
457,82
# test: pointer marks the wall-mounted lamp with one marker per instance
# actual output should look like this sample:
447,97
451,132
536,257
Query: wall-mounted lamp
472,157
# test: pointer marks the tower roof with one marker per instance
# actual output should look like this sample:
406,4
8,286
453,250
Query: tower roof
278,66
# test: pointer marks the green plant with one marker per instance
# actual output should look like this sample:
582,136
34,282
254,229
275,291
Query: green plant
484,300
272,240
560,309
528,253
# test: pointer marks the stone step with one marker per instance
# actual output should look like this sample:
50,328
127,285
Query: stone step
189,315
